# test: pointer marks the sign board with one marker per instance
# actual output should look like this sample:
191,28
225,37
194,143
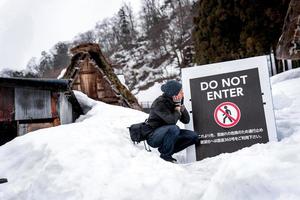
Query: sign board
230,104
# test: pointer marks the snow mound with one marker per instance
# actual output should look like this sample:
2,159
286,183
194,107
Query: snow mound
286,94
94,159
62,73
291,74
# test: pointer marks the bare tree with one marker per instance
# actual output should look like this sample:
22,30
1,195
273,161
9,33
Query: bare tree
108,35
132,21
154,24
85,37
178,32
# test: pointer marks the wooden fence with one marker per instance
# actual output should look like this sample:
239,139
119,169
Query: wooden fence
277,66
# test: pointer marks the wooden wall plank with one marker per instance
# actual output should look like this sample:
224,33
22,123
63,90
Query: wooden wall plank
88,84
6,104
65,110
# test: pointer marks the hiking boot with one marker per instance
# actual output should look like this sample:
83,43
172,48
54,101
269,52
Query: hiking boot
168,158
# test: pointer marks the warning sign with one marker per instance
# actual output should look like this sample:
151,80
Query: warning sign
225,129
227,114
229,109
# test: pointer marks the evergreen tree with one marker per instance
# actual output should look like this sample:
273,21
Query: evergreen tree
50,64
61,57
125,35
45,65
226,29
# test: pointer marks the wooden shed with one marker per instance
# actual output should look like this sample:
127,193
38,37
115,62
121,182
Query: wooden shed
31,104
92,74
289,43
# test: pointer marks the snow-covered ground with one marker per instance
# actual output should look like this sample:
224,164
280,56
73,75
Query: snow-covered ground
94,159
150,94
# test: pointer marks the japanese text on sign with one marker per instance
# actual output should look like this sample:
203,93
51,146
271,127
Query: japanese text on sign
212,137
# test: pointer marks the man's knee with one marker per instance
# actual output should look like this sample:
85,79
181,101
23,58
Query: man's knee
174,129
196,138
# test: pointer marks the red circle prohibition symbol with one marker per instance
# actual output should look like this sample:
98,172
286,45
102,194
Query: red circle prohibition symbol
227,119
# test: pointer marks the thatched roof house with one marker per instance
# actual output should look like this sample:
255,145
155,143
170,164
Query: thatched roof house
92,74
289,42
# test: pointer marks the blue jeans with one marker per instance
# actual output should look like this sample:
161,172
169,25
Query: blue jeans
171,139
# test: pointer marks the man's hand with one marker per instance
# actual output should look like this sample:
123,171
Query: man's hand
177,102
178,109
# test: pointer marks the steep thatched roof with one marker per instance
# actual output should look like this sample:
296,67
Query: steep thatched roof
289,43
104,67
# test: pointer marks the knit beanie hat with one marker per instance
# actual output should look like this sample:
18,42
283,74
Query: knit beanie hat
171,88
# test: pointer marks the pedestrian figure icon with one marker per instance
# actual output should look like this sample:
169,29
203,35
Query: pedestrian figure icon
228,112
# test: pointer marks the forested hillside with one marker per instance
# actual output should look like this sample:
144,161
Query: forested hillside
166,35
146,47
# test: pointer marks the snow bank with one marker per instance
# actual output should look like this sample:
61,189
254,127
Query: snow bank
291,74
94,159
150,94
286,95
62,73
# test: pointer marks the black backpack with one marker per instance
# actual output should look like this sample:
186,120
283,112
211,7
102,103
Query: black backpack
139,132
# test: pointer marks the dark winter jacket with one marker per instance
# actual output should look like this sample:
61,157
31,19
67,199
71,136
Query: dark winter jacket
163,112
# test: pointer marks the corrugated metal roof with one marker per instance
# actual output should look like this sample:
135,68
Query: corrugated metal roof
42,84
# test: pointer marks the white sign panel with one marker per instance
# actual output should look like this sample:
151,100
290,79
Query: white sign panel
230,104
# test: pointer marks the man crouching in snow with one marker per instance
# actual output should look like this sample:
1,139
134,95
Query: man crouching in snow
165,111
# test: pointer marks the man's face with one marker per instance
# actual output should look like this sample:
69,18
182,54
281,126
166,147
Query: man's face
180,94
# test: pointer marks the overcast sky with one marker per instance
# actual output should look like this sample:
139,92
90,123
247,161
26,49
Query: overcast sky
28,27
